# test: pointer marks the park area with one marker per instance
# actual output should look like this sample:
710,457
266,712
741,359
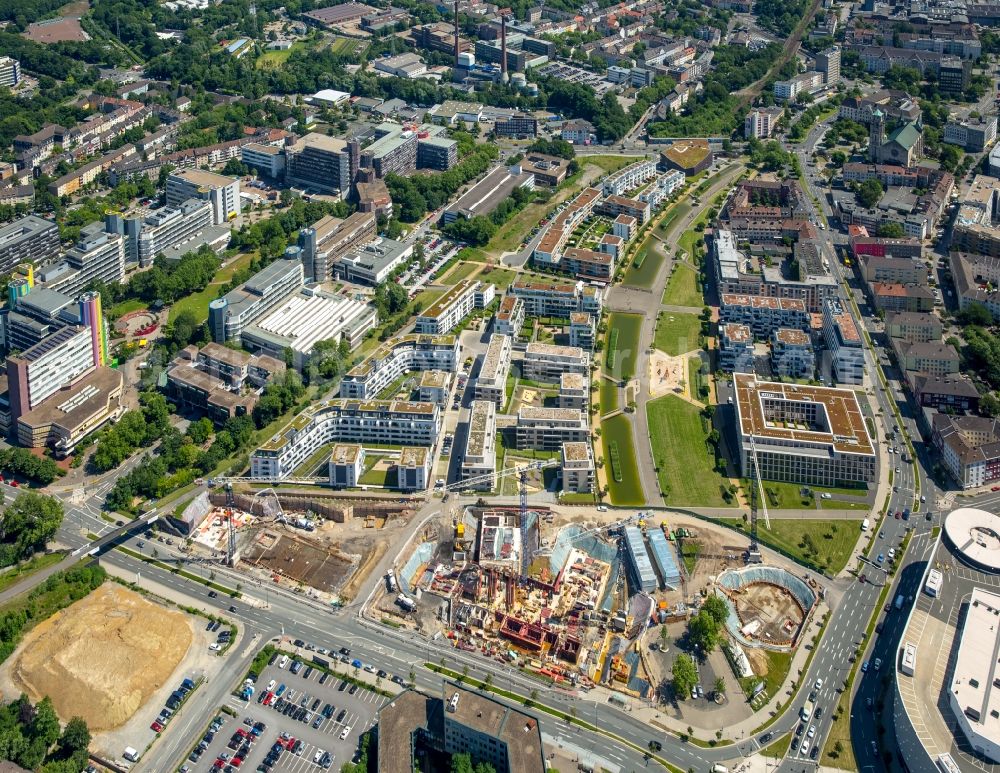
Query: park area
685,464
682,287
677,333
823,544
103,657
620,462
622,346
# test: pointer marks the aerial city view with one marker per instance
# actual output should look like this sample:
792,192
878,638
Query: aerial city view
441,386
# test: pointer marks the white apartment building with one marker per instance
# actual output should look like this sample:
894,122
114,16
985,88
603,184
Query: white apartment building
10,72
764,314
454,306
222,192
510,316
629,178
574,391
433,386
805,82
578,468
168,227
552,299
413,470
547,362
480,458
394,358
492,380
624,227
735,348
844,342
582,330
386,422
792,353
546,429
346,465
761,123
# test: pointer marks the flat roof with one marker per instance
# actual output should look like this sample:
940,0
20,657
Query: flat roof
486,195
320,142
846,431
202,178
554,350
550,414
305,318
763,302
346,453
496,361
791,336
975,534
74,405
481,432
572,381
576,451
452,296
972,685
413,456
519,731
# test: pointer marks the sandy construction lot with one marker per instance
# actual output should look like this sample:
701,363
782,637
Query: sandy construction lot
102,657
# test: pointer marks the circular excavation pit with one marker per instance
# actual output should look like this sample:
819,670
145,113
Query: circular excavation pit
768,606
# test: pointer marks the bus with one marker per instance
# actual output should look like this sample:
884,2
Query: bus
933,585
807,710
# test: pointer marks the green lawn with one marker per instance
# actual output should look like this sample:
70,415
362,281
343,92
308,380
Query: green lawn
644,275
126,307
689,239
501,277
198,303
686,467
347,46
626,349
275,59
459,272
37,562
608,163
609,396
628,492
682,288
833,504
677,333
817,543
783,496
778,664
427,297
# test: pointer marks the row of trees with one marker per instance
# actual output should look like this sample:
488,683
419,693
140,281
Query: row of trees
21,462
28,523
136,429
31,737
703,635
479,230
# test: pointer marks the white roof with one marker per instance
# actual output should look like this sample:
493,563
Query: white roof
330,95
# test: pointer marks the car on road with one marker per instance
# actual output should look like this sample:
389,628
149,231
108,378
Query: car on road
805,747
864,667
232,608
811,732
819,684
877,664
880,558
826,495
765,738
212,594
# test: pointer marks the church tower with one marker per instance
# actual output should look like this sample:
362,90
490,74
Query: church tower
876,136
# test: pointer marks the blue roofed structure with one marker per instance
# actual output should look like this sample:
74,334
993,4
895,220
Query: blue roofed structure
641,573
663,557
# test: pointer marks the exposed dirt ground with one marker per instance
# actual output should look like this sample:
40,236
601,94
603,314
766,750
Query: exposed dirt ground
300,559
102,657
776,609
668,374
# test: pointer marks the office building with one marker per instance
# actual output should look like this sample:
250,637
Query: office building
546,362
549,171
803,83
578,132
486,195
736,353
491,383
399,356
459,722
546,429
28,238
374,197
171,227
913,327
320,163
303,319
479,459
42,370
10,72
395,423
268,160
96,256
454,306
439,153
222,192
577,468
953,393
518,125
373,263
802,434
509,316
792,354
972,136
394,151
840,333
828,65
241,306
329,239
346,465
35,315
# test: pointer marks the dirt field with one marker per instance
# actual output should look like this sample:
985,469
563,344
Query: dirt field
103,657
299,559
667,374
777,610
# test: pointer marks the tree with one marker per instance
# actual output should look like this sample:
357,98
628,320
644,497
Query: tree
891,230
685,676
29,522
703,631
75,736
720,686
869,192
975,314
989,405
716,608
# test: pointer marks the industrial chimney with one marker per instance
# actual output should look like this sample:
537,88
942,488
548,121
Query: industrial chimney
503,47
456,33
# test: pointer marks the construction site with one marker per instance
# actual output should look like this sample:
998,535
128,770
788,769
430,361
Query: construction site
310,541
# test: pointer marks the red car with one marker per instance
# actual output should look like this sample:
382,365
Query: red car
219,764
15,484
898,515
290,742
236,762
995,488
156,727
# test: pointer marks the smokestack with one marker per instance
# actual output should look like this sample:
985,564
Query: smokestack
503,47
456,33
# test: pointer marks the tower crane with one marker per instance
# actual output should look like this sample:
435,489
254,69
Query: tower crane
756,490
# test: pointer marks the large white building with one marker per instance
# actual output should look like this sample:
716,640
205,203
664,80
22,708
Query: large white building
454,306
973,693
491,383
229,315
96,256
394,358
546,429
480,456
844,342
558,299
384,422
577,467
802,434
222,192
761,122
172,226
547,362
10,72
629,178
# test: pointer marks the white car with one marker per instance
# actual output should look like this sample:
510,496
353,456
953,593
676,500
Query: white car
283,662
270,685
318,756
818,685
826,495
214,647
345,732
804,749
877,664
812,732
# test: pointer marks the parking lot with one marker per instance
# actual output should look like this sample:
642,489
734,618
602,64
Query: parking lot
291,724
